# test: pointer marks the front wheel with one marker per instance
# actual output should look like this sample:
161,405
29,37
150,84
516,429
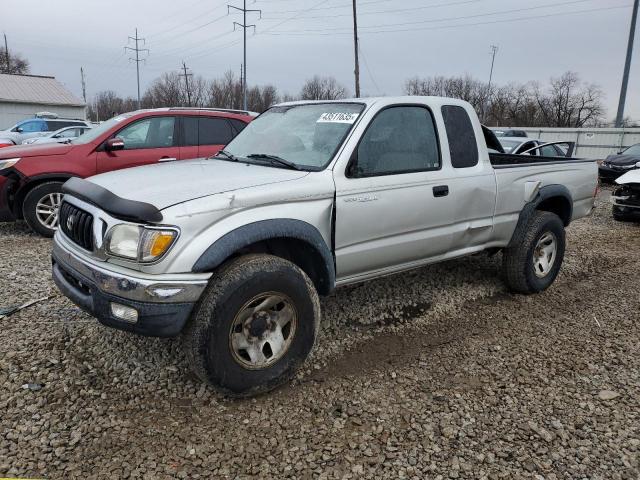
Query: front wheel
533,264
255,325
40,208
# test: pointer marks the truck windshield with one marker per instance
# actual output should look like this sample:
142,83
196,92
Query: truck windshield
306,135
509,145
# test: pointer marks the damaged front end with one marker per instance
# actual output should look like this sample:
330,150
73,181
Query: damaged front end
626,201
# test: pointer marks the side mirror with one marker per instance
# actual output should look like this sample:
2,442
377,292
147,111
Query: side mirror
638,165
114,144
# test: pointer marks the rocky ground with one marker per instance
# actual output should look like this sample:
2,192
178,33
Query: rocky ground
438,373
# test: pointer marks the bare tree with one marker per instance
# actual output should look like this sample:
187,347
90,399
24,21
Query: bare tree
322,88
570,103
18,65
567,102
108,104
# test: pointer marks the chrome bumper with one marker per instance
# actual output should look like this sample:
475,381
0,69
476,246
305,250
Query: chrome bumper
168,288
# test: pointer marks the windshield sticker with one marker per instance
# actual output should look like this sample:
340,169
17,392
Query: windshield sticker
338,117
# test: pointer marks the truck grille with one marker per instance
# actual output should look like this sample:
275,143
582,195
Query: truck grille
77,225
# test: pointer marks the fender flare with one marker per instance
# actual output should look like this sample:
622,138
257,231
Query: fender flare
546,192
284,228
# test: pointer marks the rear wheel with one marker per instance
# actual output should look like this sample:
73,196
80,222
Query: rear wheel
40,208
533,264
255,325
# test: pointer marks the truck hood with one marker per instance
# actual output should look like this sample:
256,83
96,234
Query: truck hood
167,184
36,150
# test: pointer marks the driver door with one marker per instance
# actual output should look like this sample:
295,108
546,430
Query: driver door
146,141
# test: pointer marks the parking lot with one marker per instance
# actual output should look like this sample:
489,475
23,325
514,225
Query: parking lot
436,373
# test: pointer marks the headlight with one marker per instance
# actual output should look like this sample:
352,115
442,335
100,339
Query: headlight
139,243
8,162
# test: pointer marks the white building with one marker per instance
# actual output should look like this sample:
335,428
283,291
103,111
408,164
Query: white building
22,96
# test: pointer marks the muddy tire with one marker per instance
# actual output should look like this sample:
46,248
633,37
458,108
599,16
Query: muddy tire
254,326
40,208
533,264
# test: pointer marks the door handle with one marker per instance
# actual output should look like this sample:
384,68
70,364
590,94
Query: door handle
441,191
167,159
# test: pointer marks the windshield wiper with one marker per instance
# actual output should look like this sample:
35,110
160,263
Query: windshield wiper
226,155
275,159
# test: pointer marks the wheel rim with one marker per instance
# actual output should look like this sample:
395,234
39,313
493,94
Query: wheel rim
47,210
262,330
544,255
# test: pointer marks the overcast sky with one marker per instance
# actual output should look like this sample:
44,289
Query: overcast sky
295,39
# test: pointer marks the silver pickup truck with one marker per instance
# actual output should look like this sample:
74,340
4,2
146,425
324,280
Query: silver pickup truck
234,250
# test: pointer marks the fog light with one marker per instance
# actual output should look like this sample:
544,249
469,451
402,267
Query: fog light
127,314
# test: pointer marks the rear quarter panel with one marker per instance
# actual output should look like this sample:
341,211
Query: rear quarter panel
516,184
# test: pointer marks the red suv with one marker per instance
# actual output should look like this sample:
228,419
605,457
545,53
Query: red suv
31,177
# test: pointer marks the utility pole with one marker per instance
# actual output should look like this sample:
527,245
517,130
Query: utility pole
244,27
627,66
241,80
494,50
355,48
137,49
186,81
84,85
6,53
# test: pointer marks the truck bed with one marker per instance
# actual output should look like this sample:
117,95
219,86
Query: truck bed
504,160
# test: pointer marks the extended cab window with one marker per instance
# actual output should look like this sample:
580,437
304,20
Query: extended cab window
214,131
153,132
463,146
399,140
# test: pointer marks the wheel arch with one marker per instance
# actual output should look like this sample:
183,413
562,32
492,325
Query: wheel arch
555,199
31,182
295,240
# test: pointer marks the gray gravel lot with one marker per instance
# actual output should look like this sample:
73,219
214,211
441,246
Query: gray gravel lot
437,373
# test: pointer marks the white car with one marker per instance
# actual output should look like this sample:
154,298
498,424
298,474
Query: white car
534,146
60,136
626,197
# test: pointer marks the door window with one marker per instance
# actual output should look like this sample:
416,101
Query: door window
153,132
32,126
69,133
214,131
463,146
190,131
399,140
549,151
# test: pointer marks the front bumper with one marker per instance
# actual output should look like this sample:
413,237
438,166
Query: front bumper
163,304
6,186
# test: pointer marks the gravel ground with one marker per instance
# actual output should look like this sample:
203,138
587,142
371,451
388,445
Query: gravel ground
437,373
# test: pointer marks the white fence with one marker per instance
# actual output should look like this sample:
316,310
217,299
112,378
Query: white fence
594,143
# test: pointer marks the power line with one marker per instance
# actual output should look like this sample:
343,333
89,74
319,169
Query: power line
463,17
244,27
366,64
137,49
627,66
443,27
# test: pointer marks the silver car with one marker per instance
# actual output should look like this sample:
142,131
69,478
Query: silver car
37,127
59,136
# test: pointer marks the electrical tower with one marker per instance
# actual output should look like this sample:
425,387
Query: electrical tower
244,27
137,49
186,81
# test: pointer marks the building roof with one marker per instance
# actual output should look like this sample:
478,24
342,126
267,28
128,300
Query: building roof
36,89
